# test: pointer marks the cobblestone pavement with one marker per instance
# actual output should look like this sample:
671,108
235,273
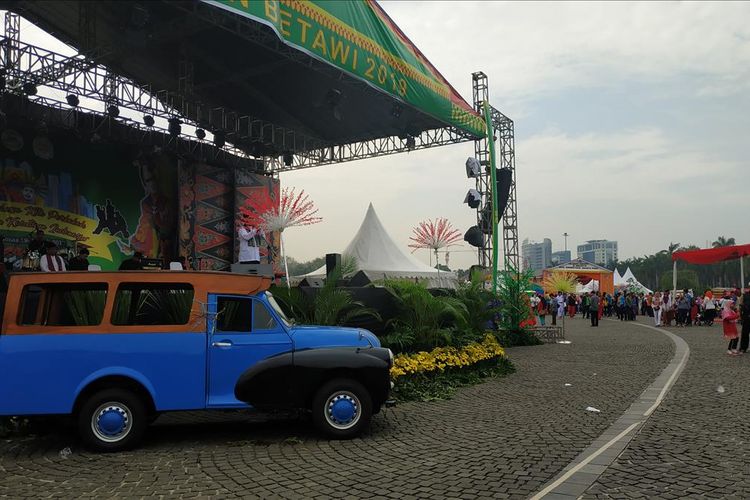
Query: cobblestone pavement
503,438
697,443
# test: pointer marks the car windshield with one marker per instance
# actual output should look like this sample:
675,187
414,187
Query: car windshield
277,308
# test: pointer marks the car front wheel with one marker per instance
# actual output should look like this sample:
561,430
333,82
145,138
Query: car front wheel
112,420
342,408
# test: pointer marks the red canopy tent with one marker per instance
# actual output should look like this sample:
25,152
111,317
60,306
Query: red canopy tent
711,256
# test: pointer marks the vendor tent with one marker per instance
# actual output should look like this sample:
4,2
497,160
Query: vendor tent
586,271
618,281
711,256
629,280
378,256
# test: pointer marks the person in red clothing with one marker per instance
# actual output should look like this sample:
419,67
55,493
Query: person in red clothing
729,318
572,305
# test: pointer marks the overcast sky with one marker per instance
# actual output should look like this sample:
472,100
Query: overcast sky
631,119
631,124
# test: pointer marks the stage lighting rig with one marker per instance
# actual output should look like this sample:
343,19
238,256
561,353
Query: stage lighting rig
148,120
288,159
72,100
29,88
113,111
219,138
200,133
175,127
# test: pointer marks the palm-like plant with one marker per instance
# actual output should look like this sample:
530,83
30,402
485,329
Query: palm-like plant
427,320
330,305
721,241
560,281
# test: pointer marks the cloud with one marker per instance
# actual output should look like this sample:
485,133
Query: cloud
642,187
531,49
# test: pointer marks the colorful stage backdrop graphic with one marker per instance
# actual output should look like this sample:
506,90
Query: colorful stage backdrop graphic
114,199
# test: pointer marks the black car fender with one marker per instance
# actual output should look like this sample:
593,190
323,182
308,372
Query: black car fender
290,380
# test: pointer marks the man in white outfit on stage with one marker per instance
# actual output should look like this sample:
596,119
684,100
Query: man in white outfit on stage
250,244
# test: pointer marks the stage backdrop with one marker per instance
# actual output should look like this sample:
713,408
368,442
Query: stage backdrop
110,198
209,201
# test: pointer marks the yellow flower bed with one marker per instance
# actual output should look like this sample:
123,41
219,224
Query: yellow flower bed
441,358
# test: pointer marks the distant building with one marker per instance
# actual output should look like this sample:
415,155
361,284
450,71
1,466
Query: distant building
537,256
561,257
601,252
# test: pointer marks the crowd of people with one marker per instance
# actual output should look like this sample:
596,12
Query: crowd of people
684,309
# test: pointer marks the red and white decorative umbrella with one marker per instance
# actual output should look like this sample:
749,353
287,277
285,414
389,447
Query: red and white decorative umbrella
270,215
434,235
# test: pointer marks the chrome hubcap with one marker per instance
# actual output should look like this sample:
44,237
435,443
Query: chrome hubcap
342,410
111,422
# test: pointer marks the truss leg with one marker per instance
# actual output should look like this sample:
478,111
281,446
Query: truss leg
482,153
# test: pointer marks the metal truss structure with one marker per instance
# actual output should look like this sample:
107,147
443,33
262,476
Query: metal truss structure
54,76
506,158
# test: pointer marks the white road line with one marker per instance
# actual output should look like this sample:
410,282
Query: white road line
585,462
675,373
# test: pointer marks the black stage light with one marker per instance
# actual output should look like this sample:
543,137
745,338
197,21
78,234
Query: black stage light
148,120
3,81
410,142
72,100
219,138
200,133
288,159
29,88
175,127
113,111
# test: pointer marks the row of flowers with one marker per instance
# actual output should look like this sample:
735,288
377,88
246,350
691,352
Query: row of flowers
441,358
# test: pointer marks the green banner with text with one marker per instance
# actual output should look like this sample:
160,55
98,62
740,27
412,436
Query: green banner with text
359,38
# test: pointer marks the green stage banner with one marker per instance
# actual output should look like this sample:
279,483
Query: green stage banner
359,38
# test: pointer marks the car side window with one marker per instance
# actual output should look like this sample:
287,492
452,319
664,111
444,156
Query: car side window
234,314
62,304
262,317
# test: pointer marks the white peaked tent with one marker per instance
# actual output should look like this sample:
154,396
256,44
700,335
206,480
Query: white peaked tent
618,281
379,257
629,278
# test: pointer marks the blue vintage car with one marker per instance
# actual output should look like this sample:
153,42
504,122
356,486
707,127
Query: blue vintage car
115,349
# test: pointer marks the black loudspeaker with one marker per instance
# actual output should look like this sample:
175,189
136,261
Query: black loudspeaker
504,180
473,198
358,280
333,262
474,237
312,283
473,168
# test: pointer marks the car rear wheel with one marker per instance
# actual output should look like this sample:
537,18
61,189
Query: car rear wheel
342,408
112,420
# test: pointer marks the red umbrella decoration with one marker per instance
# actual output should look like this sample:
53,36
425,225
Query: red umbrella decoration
434,235
270,215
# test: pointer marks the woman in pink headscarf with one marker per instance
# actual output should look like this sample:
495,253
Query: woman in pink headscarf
729,322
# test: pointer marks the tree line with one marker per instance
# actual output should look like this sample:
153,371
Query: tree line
655,270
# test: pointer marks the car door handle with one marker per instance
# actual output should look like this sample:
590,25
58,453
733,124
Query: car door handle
221,344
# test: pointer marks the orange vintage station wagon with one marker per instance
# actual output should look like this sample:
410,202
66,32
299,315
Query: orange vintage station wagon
115,349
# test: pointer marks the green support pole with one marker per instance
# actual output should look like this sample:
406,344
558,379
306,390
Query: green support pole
493,176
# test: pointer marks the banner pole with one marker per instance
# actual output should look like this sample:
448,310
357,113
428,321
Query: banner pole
283,254
742,274
674,280
493,177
